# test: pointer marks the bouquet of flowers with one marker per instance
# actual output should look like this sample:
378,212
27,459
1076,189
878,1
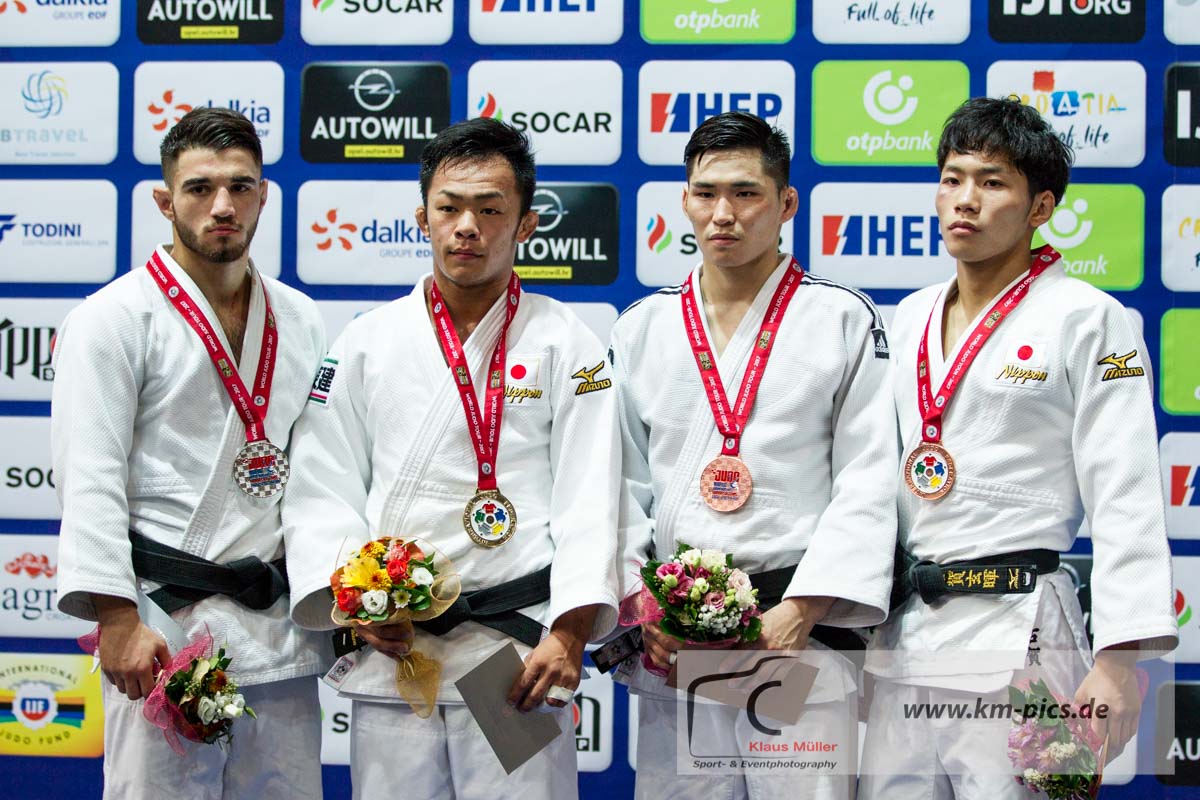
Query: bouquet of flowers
390,580
1061,757
698,597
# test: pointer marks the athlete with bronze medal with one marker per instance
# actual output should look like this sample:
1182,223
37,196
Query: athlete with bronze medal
489,517
725,483
929,470
260,468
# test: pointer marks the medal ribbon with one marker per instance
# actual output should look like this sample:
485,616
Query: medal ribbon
484,428
932,408
252,409
731,421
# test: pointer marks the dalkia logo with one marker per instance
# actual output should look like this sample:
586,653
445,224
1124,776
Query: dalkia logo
219,21
16,6
718,21
1067,20
1181,126
167,112
899,119
1099,230
334,231
50,706
386,112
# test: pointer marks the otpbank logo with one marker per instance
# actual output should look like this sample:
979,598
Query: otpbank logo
676,96
543,98
546,21
1096,107
1180,385
360,232
883,112
666,243
876,235
376,21
1100,231
718,21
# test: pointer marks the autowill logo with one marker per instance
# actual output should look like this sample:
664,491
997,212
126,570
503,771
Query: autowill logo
1067,20
383,112
577,237
210,21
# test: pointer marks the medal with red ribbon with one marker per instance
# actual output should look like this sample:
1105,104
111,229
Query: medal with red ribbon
929,470
725,483
261,469
489,518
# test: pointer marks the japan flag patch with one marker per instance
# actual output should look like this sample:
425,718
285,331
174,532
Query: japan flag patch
523,370
1024,363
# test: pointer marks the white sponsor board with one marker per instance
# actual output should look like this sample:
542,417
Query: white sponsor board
1179,458
1181,238
335,725
26,476
27,329
592,716
877,235
1187,607
150,228
59,23
1181,21
674,97
1098,107
29,590
858,22
570,109
58,112
377,21
163,91
58,231
360,232
546,21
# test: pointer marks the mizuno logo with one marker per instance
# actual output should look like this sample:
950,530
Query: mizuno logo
1117,366
588,380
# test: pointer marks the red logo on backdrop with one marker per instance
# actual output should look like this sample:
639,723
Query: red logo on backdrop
32,565
17,3
330,233
164,110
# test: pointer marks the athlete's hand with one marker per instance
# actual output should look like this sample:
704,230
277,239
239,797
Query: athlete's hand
661,647
787,625
394,640
130,653
556,661
1113,683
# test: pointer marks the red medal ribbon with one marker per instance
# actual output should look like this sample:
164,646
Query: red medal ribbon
252,410
484,429
732,421
933,407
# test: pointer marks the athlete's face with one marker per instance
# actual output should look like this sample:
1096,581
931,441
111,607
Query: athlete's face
735,208
984,208
473,219
213,200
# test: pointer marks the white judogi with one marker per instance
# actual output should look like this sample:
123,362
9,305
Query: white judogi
144,437
388,453
1044,433
819,444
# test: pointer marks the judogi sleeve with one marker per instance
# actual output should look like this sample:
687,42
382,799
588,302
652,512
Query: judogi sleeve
1115,445
586,467
99,364
635,524
325,502
850,553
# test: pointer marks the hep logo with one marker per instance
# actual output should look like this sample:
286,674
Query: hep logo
488,108
21,9
322,5
1185,485
660,235
31,565
165,110
331,233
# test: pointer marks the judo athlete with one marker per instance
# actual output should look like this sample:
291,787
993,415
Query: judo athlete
387,448
176,389
1025,408
756,368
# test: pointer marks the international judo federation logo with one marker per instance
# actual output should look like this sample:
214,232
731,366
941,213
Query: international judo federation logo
34,705
929,473
490,519
44,94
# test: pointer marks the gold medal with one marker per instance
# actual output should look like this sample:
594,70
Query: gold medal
929,471
489,518
725,484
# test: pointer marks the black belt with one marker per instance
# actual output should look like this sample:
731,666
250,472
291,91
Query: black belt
187,579
496,607
770,585
1007,573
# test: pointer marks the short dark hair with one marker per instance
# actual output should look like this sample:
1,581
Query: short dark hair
478,140
737,130
1009,129
207,128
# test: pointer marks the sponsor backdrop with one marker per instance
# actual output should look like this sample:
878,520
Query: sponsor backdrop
346,93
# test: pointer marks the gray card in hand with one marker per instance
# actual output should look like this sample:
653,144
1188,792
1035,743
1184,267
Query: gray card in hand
514,736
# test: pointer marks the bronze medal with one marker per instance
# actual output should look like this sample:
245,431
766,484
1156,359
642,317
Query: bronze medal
725,484
929,471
